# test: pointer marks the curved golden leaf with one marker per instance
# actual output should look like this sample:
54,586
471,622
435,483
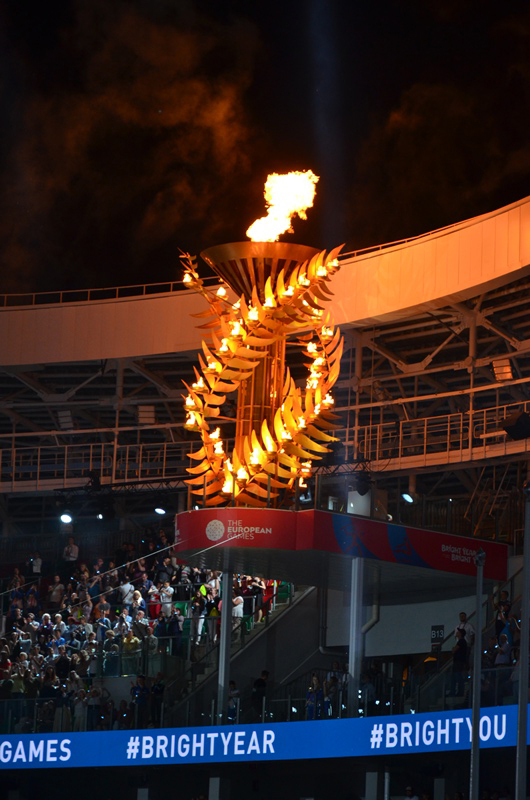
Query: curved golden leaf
252,501
201,479
288,461
264,340
199,469
249,353
324,437
207,325
260,491
199,454
222,386
216,486
267,480
309,444
242,363
268,441
214,399
269,293
275,469
294,449
216,500
279,428
204,314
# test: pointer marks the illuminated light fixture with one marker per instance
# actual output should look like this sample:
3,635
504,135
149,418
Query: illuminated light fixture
189,402
159,507
105,509
224,346
218,449
410,496
253,314
199,385
187,278
311,347
66,517
502,369
221,291
303,281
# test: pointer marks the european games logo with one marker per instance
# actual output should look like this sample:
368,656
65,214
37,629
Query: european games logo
215,530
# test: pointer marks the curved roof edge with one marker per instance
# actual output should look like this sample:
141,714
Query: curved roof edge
447,265
391,282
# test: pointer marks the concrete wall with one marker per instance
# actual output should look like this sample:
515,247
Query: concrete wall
401,628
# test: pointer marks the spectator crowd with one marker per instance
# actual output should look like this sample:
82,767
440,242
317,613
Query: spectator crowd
63,634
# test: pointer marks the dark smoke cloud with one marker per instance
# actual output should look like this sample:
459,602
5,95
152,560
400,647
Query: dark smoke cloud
128,133
449,149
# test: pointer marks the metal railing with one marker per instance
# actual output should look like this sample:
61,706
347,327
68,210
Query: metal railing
59,711
63,465
463,436
60,297
452,437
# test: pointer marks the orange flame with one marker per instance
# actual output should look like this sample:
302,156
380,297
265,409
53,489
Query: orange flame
285,195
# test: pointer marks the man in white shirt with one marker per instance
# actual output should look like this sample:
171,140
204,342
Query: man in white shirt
166,597
126,591
71,551
467,627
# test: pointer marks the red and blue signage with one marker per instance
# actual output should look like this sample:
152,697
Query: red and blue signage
342,534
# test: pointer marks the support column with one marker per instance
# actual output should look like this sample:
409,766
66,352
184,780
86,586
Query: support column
371,783
438,792
218,788
224,646
355,635
474,771
522,700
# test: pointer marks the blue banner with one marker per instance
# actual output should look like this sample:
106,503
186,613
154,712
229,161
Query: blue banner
340,738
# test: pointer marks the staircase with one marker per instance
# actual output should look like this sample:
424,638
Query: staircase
182,699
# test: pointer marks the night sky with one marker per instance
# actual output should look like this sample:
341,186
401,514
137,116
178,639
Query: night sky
133,128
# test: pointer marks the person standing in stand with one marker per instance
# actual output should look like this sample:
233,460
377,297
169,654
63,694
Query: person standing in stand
459,664
70,556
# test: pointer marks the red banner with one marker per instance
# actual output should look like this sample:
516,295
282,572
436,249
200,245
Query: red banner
271,529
